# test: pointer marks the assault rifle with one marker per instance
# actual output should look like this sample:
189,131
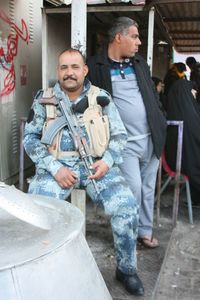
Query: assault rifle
68,118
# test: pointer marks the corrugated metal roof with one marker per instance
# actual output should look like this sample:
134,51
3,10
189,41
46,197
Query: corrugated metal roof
181,20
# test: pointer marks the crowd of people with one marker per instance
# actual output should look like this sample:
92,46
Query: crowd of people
122,176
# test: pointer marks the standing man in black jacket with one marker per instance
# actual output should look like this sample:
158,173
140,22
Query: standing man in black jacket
125,74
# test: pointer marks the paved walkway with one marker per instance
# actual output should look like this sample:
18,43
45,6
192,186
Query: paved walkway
179,277
150,261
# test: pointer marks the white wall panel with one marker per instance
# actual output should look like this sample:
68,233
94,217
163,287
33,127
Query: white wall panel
20,75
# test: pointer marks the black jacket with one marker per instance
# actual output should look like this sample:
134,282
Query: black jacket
99,75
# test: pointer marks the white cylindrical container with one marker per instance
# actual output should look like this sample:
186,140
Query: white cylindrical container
54,264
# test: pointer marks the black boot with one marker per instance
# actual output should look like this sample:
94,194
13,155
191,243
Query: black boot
132,283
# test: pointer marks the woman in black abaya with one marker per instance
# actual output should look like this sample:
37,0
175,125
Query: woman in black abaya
183,104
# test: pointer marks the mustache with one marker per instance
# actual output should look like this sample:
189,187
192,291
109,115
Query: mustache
69,77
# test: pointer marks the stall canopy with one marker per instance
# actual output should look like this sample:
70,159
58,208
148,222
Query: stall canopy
181,21
177,23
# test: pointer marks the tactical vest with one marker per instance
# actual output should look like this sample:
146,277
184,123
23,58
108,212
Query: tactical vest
96,124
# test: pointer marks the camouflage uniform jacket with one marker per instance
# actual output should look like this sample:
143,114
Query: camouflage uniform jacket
39,153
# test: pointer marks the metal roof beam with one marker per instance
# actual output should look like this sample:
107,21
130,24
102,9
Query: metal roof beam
155,2
186,51
184,32
185,38
184,19
118,8
188,45
159,22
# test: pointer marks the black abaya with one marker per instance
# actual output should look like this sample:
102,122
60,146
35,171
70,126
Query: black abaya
181,105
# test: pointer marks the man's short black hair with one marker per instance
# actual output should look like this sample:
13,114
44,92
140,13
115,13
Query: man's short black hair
71,50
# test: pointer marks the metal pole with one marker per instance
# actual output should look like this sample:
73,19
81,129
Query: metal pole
78,25
159,177
178,173
44,50
21,154
150,38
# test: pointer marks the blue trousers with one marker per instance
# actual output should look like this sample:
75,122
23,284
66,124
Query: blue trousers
118,203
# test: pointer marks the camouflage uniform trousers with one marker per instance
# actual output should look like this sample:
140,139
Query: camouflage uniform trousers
118,203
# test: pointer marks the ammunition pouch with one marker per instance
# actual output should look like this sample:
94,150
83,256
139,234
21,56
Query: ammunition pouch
96,124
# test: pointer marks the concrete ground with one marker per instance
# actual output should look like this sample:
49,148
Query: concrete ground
179,277
158,268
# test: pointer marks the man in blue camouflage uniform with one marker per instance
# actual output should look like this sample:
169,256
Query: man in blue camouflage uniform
57,177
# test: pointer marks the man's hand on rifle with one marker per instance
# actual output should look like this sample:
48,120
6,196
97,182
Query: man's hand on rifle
65,177
100,169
